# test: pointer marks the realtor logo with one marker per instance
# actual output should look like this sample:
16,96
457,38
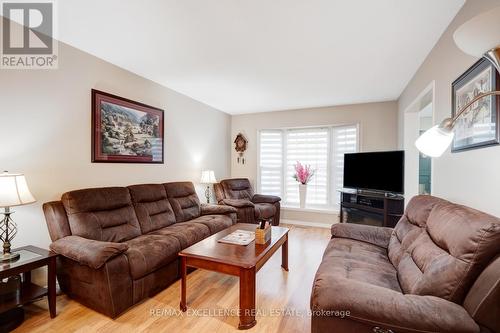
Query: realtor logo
28,39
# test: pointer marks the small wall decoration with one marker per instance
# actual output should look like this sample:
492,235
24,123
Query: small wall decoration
240,146
478,127
124,131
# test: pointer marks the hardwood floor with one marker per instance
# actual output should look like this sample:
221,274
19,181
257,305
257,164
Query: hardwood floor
282,299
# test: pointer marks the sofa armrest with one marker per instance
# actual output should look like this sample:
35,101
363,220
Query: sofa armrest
261,198
379,236
388,309
238,203
207,209
87,251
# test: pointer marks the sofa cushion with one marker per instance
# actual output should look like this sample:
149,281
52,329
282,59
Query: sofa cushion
379,236
237,188
57,220
184,200
376,309
152,206
482,300
440,248
187,233
215,223
209,209
104,214
87,251
266,198
359,261
264,210
148,253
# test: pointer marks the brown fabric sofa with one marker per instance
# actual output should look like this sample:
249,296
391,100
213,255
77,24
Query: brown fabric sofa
119,245
438,270
238,193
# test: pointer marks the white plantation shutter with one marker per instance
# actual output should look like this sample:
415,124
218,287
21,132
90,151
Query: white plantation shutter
271,162
323,148
345,140
310,147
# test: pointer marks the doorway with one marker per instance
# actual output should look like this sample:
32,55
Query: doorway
418,118
425,117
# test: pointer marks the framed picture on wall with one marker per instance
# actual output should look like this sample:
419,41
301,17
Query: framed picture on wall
479,126
124,131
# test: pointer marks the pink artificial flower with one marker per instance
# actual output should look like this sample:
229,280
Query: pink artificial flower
303,173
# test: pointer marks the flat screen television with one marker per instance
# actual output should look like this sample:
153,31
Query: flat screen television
377,171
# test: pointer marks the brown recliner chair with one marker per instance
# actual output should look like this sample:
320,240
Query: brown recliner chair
238,193
438,270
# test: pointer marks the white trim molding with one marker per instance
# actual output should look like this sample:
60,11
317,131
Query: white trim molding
306,224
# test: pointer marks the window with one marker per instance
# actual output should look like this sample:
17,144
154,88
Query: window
309,146
321,147
271,162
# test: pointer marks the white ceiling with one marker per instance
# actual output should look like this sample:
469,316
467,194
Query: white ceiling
243,56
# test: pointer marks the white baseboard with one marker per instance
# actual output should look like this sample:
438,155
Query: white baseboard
332,211
306,223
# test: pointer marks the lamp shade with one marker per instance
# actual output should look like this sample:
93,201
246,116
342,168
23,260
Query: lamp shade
480,34
434,141
208,177
14,190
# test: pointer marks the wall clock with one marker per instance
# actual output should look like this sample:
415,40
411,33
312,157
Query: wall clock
240,145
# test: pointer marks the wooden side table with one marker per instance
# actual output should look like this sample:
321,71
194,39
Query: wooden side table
31,257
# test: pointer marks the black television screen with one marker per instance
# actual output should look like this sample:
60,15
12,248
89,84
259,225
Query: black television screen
380,171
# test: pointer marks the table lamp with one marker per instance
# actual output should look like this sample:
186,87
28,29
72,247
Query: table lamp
14,191
480,36
207,178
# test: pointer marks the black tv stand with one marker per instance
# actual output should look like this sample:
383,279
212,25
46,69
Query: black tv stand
372,208
373,193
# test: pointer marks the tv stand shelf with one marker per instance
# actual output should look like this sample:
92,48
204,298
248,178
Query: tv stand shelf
371,208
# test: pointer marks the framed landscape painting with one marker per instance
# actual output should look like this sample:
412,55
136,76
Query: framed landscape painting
479,126
124,131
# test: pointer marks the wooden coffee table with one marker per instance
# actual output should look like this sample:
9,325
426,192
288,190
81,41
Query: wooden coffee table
238,260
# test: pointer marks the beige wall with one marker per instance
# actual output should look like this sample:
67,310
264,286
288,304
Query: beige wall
377,123
471,177
46,119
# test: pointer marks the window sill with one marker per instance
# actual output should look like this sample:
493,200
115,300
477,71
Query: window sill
331,211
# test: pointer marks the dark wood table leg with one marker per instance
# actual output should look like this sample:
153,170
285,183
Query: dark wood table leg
284,254
341,214
27,277
51,286
247,298
183,305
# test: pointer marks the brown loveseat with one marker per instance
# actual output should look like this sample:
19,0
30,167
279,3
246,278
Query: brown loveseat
438,270
238,193
119,245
